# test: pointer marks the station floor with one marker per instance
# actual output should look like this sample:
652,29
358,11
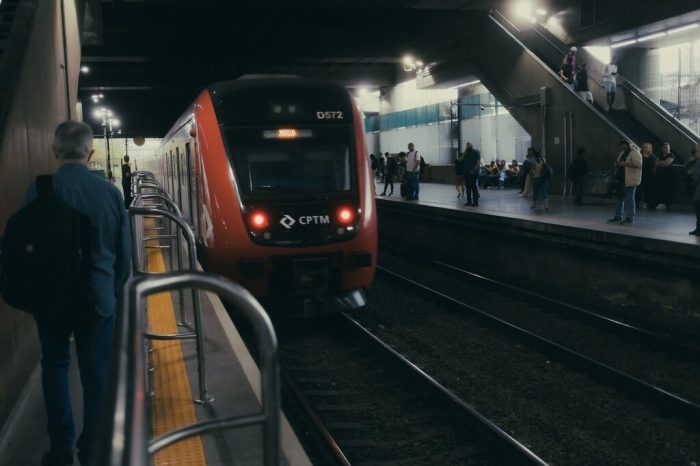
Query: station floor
667,225
234,381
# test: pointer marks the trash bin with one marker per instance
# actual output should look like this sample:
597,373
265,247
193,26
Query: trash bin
599,182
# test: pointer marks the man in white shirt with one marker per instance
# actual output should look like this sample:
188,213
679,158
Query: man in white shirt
610,82
413,170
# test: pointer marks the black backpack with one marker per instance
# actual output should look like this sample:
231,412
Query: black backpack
421,165
45,259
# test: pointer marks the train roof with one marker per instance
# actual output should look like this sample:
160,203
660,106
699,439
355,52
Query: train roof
270,100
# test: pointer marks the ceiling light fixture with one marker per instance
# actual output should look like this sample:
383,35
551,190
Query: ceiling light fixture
84,69
683,28
470,83
651,36
623,44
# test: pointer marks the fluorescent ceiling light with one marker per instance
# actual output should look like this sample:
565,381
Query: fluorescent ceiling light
622,44
600,53
683,28
651,36
470,83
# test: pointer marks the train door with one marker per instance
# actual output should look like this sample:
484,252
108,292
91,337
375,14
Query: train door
171,178
189,170
178,178
168,184
199,200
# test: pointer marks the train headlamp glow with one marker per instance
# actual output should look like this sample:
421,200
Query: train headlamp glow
287,133
345,216
259,220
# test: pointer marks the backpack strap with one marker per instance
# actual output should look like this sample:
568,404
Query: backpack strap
44,185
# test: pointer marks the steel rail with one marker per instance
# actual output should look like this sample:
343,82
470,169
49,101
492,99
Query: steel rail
659,398
331,442
487,426
653,339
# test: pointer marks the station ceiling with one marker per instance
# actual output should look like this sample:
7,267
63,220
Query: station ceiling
150,58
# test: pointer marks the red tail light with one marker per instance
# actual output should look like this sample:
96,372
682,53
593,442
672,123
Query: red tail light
345,216
258,220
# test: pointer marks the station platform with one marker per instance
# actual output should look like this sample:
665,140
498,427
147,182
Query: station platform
654,231
233,380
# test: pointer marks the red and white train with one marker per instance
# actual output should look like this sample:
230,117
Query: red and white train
273,176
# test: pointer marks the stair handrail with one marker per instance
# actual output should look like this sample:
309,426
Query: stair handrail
623,82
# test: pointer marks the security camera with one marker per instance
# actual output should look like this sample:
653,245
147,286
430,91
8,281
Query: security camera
481,107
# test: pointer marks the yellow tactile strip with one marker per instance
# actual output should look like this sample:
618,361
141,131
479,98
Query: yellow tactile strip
172,405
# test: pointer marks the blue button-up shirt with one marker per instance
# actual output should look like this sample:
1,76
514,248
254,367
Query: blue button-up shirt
110,242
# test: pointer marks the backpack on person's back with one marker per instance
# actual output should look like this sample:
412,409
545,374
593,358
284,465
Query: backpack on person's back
45,258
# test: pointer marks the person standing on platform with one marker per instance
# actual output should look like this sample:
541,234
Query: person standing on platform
663,178
392,169
693,166
472,165
540,182
126,181
459,175
628,175
381,164
646,189
577,175
413,169
526,181
92,326
610,83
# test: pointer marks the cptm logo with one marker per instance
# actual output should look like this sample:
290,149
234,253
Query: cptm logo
287,221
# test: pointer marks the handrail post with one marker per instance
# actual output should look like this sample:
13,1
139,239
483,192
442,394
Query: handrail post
243,301
204,396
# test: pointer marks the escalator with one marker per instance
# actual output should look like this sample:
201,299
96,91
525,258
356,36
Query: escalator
641,118
556,118
520,68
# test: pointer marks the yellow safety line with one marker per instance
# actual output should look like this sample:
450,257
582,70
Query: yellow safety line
173,403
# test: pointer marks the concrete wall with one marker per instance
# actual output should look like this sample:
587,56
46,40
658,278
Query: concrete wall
45,95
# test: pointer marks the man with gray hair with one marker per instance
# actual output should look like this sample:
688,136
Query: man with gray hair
109,244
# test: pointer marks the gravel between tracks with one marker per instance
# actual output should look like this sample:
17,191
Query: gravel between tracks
661,369
562,415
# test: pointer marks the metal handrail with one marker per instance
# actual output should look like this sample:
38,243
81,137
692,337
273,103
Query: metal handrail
124,439
243,301
166,199
659,110
204,396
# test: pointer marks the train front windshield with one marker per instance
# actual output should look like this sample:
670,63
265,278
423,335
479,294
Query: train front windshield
317,161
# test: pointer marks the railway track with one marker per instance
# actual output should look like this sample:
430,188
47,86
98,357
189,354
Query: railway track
648,337
660,398
370,405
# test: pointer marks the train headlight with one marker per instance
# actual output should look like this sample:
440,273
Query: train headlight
259,220
345,216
